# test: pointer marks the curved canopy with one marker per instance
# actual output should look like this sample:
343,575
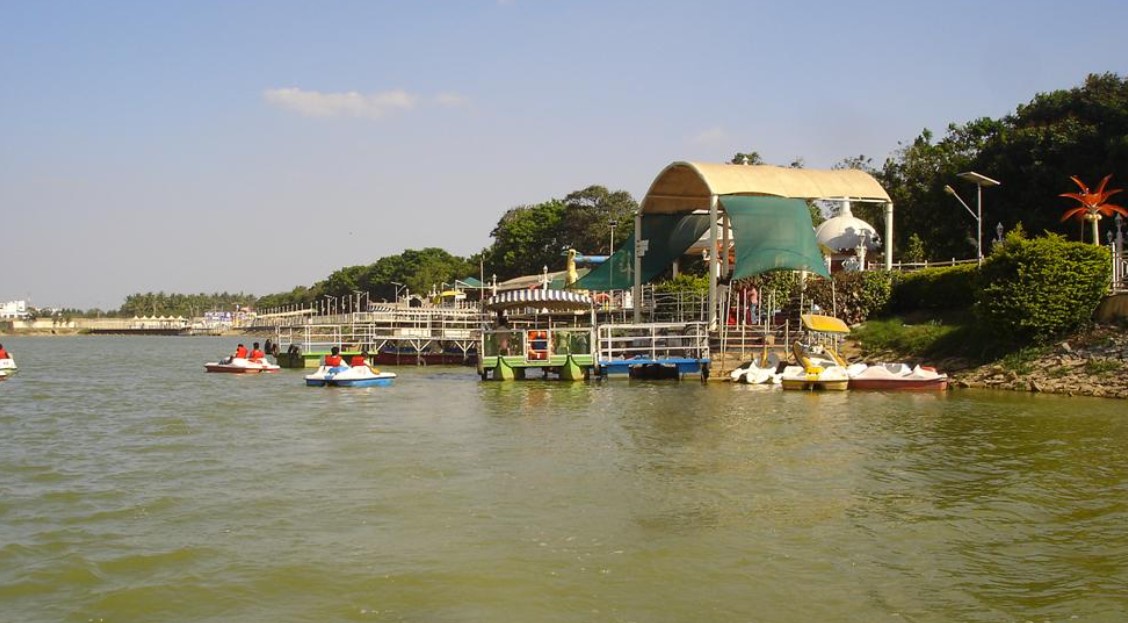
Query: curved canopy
689,186
555,300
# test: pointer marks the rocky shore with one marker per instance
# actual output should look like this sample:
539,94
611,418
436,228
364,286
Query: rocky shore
1093,363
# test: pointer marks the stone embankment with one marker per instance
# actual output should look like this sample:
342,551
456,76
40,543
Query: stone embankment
1094,363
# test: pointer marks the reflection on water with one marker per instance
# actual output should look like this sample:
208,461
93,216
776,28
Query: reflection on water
136,487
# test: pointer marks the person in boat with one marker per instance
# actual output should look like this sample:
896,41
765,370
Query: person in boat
3,353
256,353
240,353
359,360
333,359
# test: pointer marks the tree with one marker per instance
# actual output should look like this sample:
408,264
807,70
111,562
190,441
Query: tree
529,238
525,240
589,213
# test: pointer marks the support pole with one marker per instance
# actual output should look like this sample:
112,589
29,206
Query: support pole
636,295
713,262
889,235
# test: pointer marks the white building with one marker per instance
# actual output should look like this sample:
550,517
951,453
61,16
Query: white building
13,309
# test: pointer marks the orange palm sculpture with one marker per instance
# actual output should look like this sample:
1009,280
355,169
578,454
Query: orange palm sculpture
1093,204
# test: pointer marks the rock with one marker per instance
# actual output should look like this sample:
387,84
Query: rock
1034,386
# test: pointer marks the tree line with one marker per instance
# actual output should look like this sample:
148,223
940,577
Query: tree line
1034,151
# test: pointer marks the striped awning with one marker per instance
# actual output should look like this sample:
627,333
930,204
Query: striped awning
555,300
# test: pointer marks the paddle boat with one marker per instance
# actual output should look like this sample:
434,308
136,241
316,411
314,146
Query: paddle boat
820,365
345,376
239,365
7,368
896,376
759,371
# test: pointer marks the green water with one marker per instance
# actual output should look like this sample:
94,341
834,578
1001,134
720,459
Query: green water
136,487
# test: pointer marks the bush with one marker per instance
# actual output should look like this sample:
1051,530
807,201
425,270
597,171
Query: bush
697,285
1038,289
950,287
853,297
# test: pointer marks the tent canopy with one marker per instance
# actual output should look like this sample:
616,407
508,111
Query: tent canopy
554,300
668,237
689,186
772,233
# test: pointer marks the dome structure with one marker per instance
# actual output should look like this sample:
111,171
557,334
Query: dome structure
843,234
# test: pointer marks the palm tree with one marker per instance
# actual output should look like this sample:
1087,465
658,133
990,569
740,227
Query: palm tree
1093,204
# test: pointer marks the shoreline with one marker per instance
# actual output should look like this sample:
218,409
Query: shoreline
1092,363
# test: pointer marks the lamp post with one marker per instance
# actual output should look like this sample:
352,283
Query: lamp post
398,285
611,244
978,222
1119,220
980,181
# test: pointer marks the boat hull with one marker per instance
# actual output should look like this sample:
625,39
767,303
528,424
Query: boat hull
225,368
899,385
814,385
344,376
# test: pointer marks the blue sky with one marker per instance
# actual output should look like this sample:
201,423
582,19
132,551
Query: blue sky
256,146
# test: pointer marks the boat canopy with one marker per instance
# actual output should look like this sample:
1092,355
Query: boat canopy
554,300
825,324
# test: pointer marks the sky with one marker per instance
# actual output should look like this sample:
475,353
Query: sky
259,145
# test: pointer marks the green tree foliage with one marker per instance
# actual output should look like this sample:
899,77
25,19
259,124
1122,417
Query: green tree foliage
695,285
1081,131
588,215
416,270
187,305
526,239
529,238
1037,289
914,249
915,178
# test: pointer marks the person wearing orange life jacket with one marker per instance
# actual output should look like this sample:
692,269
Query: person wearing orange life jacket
240,352
256,353
359,360
3,353
333,359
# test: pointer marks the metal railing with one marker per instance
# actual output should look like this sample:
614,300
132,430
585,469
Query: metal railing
653,341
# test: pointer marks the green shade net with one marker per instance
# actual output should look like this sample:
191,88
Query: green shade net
772,233
669,236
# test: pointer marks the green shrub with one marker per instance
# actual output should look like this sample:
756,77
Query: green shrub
853,296
685,284
1037,289
949,287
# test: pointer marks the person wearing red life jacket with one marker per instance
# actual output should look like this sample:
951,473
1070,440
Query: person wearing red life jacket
240,352
359,360
333,359
3,353
256,353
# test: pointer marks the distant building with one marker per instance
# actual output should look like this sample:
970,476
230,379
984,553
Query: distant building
13,309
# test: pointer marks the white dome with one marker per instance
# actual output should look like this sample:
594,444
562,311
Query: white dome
843,233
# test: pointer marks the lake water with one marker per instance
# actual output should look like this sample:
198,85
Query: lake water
136,487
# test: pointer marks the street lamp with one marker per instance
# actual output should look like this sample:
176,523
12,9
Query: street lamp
611,246
1119,220
978,221
980,181
398,285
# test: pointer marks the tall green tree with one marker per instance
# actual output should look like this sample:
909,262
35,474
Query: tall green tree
1082,131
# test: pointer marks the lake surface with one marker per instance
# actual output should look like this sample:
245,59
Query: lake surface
136,487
